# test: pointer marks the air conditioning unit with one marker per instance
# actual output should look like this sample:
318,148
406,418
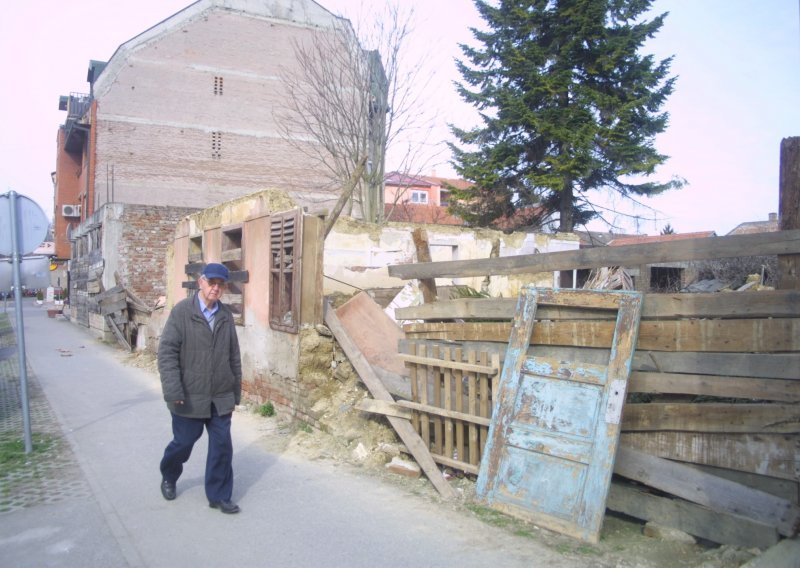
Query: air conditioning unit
71,210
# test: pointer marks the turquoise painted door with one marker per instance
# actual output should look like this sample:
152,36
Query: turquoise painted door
554,433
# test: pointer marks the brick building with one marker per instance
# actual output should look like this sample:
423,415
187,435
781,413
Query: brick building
180,118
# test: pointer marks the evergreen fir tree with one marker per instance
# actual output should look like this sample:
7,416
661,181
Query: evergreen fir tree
568,105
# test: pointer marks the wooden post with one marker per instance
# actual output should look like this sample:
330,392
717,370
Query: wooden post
426,285
789,207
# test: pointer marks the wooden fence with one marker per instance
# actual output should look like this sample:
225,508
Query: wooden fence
711,427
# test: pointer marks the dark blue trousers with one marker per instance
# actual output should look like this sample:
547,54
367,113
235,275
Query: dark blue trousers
219,468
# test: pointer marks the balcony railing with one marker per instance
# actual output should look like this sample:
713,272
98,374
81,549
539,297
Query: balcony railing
77,106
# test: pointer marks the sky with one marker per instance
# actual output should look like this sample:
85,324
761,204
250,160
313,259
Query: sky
736,96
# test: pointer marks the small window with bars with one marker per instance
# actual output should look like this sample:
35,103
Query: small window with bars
284,283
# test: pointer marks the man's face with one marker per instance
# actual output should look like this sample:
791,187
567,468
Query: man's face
211,289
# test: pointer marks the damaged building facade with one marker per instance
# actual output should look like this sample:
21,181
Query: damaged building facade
180,118
282,273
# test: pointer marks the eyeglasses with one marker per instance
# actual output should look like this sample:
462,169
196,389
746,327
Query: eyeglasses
215,283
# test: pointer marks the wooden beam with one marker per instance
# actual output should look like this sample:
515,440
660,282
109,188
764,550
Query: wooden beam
426,285
726,336
774,455
761,244
384,408
765,303
722,528
445,364
708,490
789,204
760,365
439,411
712,417
118,333
779,390
402,426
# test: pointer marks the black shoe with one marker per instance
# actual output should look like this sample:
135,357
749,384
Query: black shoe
168,490
227,507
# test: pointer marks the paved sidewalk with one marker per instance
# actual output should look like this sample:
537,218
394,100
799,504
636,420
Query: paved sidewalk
50,473
92,498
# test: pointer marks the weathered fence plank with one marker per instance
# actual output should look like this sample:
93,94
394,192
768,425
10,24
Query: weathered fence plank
731,246
734,335
712,417
774,455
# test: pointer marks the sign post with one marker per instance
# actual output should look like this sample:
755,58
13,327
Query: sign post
27,225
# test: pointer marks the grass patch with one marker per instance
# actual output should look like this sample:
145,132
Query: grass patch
267,409
304,427
13,456
490,516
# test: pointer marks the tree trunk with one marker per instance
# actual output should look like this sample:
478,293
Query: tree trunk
566,210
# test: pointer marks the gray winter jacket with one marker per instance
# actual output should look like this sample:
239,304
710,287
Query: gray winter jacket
197,366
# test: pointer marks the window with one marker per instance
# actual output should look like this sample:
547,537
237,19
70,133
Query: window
233,258
218,86
419,196
444,198
284,283
216,145
196,249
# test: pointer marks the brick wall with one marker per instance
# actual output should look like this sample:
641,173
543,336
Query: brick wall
146,233
167,134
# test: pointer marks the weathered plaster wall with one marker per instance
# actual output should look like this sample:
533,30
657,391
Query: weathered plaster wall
357,255
271,359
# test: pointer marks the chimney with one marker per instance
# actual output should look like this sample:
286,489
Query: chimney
773,216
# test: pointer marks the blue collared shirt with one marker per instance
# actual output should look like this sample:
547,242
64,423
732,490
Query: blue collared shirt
208,313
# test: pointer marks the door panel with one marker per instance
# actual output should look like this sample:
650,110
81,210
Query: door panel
554,433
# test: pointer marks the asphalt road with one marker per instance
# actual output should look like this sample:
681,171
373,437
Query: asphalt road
294,512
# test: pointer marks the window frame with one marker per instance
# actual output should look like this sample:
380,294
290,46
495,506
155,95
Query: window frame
285,269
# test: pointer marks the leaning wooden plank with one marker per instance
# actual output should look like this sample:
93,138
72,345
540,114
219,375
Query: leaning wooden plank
713,492
774,455
779,390
403,427
783,488
722,528
766,303
782,242
737,335
117,333
712,417
785,554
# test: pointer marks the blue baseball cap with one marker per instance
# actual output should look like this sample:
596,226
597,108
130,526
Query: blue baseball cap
216,270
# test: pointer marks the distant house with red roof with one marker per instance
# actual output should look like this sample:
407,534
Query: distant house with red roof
420,199
424,199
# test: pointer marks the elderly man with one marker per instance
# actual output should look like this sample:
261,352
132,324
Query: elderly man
201,378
